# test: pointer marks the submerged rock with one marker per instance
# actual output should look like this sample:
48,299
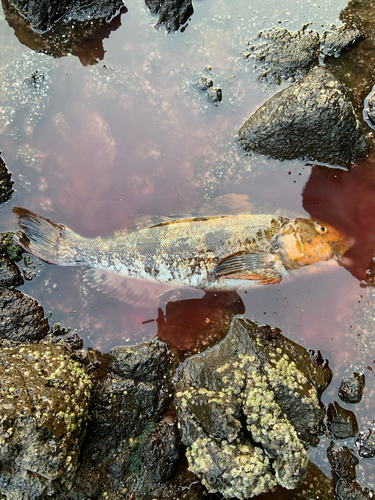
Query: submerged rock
24,92
281,54
246,410
43,411
351,389
284,54
172,13
342,423
313,119
6,182
21,318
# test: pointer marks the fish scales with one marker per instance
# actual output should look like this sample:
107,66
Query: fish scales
179,251
211,253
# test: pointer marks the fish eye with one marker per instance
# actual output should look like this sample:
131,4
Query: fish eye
321,229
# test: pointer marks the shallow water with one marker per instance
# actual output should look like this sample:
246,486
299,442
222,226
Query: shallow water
131,136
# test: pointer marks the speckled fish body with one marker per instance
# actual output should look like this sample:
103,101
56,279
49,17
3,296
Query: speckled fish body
211,253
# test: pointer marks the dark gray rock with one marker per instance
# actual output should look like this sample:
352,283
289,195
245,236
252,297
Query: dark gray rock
73,340
43,14
161,452
351,490
21,317
342,423
247,407
214,94
351,389
6,182
343,462
204,83
172,13
43,410
283,54
369,109
365,444
10,275
337,40
312,119
147,362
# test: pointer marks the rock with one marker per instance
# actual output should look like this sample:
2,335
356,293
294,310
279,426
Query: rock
21,317
24,92
214,94
284,54
337,40
10,275
204,83
9,249
351,490
73,340
343,462
351,389
172,13
43,14
342,423
161,452
43,410
369,108
312,119
79,32
365,444
6,182
247,407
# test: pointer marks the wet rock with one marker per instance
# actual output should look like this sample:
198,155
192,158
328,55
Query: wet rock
10,275
312,119
337,40
43,14
365,444
351,490
6,182
342,423
21,317
43,410
214,94
247,407
80,32
24,92
204,83
351,389
343,462
369,108
73,340
124,436
9,249
172,13
161,452
284,54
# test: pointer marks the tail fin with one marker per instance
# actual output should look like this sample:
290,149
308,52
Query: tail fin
51,242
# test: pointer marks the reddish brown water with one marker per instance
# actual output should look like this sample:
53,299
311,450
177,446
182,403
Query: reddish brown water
133,138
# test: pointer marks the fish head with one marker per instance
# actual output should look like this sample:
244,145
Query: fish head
305,241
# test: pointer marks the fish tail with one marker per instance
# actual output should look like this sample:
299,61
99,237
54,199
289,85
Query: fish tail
51,242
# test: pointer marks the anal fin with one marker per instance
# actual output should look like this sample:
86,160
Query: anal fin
254,265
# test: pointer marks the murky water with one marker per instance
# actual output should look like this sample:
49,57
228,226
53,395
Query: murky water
131,136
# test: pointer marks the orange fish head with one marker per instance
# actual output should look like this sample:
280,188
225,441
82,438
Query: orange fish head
305,241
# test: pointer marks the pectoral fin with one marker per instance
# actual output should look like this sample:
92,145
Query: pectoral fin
254,265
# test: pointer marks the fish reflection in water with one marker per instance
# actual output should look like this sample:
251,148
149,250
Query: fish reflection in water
219,252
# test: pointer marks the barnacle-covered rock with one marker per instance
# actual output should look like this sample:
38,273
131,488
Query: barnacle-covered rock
44,399
247,408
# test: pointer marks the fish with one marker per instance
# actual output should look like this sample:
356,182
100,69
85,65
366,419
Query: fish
214,252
